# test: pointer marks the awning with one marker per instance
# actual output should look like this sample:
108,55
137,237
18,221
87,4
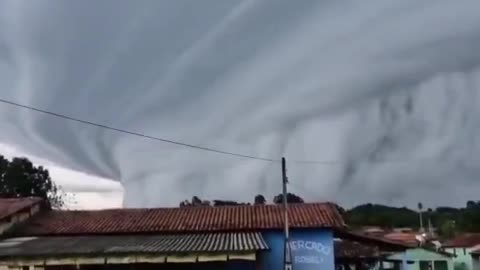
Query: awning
133,248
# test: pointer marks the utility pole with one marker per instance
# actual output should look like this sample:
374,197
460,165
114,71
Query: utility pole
287,255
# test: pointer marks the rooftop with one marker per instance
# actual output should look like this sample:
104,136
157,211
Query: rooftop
10,206
127,244
409,238
464,240
174,220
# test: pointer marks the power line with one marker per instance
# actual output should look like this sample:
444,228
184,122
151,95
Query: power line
135,133
213,150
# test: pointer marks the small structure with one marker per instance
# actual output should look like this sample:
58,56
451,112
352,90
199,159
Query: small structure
475,259
17,210
462,247
422,259
360,251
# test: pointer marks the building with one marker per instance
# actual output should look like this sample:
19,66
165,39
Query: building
463,247
232,237
475,259
239,237
424,259
14,211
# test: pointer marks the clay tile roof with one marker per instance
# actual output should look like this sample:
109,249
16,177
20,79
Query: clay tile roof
407,238
187,219
350,249
9,207
464,240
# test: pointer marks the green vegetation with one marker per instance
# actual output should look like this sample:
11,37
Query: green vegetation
447,220
20,178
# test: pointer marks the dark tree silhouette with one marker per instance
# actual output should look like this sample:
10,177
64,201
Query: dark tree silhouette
260,199
226,203
20,178
196,201
291,198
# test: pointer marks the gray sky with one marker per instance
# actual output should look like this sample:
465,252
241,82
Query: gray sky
385,91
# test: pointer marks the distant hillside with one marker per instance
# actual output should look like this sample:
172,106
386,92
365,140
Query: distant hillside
448,220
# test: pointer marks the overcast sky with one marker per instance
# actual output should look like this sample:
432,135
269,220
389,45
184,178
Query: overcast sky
385,93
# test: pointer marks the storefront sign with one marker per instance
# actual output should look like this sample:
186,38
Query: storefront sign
307,254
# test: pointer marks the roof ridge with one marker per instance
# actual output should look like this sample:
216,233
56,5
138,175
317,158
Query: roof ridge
193,219
196,207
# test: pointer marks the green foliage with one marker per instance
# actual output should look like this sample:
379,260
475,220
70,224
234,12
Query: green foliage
20,178
260,199
447,228
448,220
291,198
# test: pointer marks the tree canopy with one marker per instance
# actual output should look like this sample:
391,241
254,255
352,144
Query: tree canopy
258,200
291,198
20,178
448,220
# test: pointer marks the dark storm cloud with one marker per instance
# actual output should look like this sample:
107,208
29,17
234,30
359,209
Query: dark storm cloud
324,80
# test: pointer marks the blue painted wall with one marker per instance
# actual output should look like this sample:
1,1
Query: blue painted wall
311,250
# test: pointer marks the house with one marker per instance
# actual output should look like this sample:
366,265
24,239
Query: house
413,256
409,238
462,247
247,237
233,237
16,210
359,253
423,259
475,259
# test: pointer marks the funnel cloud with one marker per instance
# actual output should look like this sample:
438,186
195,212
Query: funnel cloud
386,91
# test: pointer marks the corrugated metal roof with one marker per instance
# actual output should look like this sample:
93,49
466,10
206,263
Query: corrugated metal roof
179,220
138,244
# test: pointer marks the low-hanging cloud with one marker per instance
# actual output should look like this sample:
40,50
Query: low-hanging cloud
349,81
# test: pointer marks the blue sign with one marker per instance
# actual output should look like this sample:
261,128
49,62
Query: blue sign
312,250
309,252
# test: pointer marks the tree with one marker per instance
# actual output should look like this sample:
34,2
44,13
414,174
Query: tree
260,199
447,228
291,198
20,178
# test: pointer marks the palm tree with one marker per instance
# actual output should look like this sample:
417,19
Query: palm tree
420,208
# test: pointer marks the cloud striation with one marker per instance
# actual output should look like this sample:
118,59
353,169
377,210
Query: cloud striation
389,90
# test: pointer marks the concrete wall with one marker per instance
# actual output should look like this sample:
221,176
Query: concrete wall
311,250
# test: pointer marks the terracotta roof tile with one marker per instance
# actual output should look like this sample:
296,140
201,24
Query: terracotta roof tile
464,240
407,238
350,249
11,206
188,219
